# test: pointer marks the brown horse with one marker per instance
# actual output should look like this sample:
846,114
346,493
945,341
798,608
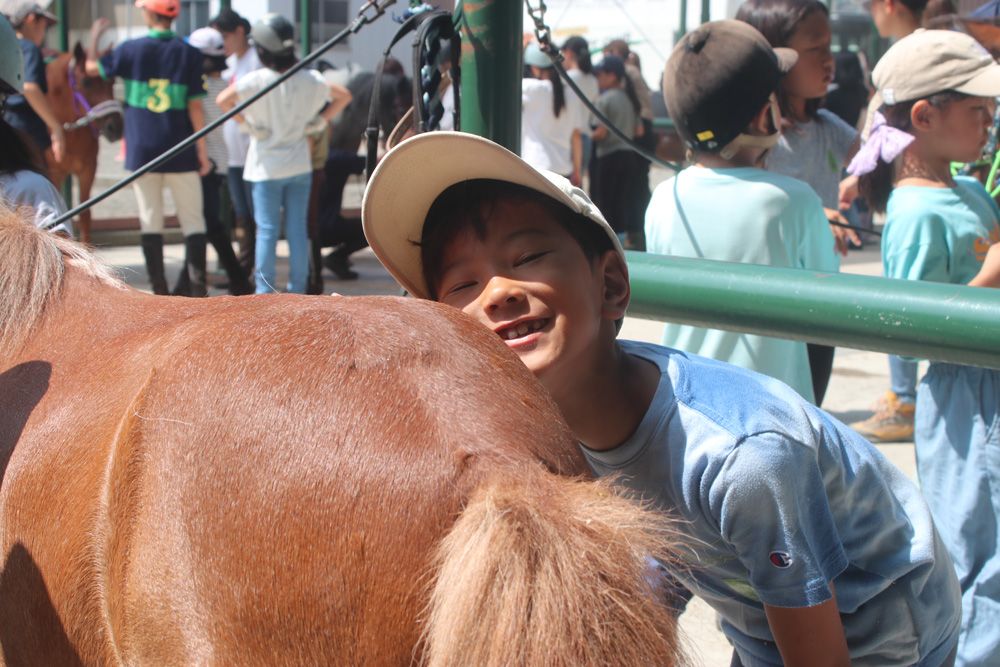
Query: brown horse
75,99
293,480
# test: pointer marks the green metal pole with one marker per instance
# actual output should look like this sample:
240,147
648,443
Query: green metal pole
491,71
62,11
705,11
934,321
305,21
682,25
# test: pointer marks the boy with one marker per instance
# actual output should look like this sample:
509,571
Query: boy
164,87
719,90
30,112
813,548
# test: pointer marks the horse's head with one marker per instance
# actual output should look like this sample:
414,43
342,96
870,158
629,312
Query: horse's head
97,91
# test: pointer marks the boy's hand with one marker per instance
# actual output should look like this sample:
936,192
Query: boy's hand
848,192
58,141
810,636
841,235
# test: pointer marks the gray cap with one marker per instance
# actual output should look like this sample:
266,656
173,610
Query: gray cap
274,34
18,10
11,59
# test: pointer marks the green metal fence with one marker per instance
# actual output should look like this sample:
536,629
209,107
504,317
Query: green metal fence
925,320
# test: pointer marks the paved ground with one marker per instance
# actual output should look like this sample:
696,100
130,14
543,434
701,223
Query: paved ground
859,378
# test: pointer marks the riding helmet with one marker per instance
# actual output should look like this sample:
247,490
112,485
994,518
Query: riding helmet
11,60
274,34
168,8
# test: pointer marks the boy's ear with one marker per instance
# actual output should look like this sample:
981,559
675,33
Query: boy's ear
761,123
921,115
617,292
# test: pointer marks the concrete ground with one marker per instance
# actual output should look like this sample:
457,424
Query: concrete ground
859,377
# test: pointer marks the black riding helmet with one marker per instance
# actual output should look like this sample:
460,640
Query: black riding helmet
274,34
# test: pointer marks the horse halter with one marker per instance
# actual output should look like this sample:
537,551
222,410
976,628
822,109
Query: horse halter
88,115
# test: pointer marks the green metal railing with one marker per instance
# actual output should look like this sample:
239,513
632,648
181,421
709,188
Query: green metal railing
933,321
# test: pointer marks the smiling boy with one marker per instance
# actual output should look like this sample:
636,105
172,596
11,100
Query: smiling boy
810,544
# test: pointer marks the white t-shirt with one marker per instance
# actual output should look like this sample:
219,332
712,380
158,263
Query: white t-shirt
284,113
545,139
31,189
588,84
238,143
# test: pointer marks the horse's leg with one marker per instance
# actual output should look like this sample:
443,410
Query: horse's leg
551,571
86,176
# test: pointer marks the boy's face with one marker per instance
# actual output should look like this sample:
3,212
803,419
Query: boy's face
530,282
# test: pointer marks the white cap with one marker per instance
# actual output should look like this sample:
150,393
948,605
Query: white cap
412,175
933,61
208,41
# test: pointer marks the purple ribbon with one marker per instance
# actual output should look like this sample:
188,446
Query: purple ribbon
883,142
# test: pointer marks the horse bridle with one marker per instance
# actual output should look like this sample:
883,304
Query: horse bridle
88,115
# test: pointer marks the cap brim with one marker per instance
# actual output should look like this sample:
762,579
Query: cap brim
411,176
984,84
786,58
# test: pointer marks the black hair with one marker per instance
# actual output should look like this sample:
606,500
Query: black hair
777,20
468,205
850,96
581,49
876,186
277,62
19,152
228,21
915,6
212,64
552,76
633,96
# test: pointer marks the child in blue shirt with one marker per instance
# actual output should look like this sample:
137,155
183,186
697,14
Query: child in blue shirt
938,88
813,548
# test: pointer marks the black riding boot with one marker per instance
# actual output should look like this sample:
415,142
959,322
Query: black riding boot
194,262
314,285
246,239
238,282
152,250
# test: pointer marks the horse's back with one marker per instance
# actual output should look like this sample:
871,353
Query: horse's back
278,474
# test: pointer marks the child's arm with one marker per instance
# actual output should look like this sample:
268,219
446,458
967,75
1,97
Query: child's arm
812,636
40,104
576,154
340,98
92,65
989,274
197,114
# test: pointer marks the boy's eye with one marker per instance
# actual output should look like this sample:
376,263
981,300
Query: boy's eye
459,287
529,257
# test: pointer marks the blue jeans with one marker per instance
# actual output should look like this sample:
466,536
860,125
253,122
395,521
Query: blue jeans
903,378
957,438
240,192
269,197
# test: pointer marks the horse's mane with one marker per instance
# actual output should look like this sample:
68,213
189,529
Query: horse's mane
32,269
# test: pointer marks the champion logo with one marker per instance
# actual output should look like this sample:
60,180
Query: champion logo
780,560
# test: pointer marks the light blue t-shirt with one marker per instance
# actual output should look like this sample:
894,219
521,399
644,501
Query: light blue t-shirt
779,500
814,152
742,215
939,234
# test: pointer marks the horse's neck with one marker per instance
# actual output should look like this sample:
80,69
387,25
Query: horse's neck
60,94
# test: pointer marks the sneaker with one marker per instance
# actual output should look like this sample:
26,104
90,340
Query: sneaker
892,421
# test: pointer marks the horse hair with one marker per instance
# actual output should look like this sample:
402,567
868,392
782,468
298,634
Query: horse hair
525,578
32,268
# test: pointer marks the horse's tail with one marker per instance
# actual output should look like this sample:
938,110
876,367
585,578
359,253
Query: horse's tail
551,571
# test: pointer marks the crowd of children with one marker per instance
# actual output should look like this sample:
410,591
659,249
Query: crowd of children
811,546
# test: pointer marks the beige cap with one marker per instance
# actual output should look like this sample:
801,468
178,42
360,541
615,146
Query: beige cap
933,61
411,176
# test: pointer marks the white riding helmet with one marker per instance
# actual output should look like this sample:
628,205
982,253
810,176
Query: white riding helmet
11,60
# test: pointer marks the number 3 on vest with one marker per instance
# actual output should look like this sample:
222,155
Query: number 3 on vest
158,101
